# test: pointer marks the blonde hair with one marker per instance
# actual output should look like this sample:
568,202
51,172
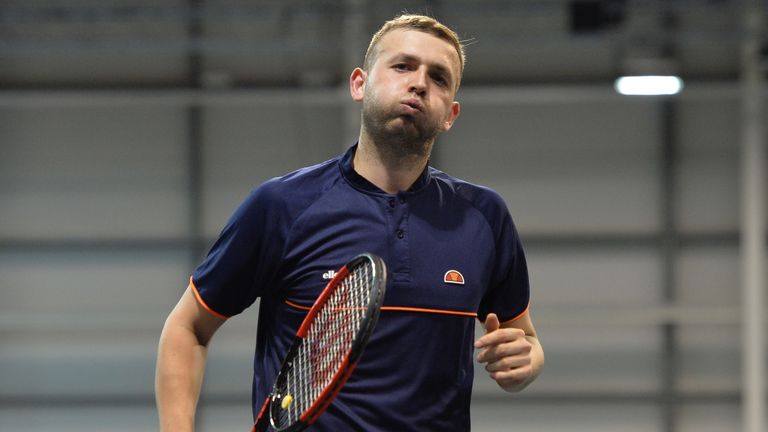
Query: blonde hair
420,23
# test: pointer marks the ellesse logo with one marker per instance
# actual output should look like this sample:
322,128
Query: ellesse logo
330,274
453,277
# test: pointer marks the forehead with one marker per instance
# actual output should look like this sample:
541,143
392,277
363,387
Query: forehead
422,45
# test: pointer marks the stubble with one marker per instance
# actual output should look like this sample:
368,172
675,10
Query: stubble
397,137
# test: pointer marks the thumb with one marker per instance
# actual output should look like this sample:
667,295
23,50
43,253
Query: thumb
491,323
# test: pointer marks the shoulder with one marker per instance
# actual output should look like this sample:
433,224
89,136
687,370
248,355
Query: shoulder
486,200
294,191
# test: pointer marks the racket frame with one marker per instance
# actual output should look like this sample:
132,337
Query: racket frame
272,406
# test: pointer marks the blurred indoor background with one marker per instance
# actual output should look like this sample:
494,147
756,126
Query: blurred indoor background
131,129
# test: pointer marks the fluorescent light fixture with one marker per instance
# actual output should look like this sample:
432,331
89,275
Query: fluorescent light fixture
649,85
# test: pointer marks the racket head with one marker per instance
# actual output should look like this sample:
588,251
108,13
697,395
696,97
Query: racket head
329,344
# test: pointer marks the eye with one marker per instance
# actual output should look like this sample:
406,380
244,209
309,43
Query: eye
400,66
440,80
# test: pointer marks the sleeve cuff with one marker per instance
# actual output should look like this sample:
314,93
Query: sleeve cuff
203,303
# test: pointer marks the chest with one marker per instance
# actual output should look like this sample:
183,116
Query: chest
439,252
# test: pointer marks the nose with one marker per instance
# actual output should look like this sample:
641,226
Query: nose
418,82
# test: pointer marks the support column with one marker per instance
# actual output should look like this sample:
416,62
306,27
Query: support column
753,192
670,249
669,254
194,114
355,43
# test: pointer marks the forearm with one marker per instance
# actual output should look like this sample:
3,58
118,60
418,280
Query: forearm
179,375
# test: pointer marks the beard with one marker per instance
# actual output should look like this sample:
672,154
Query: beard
398,136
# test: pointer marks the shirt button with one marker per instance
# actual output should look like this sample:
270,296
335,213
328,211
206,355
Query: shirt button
402,200
400,234
391,202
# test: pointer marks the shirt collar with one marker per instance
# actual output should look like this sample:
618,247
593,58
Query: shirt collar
360,182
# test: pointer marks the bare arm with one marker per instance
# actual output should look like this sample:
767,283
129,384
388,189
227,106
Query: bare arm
181,362
511,352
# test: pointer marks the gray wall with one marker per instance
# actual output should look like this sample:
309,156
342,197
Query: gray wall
109,196
95,225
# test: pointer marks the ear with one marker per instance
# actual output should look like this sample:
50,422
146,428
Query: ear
452,116
357,84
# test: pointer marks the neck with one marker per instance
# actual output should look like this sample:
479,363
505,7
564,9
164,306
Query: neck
388,170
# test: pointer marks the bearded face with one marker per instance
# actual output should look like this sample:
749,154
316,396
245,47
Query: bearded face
400,131
407,93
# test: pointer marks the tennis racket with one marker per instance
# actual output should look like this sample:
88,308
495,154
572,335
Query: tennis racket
327,346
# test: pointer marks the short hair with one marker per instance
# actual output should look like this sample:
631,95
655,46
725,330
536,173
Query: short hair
420,23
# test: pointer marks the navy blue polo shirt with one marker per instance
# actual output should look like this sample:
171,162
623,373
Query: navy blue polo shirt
453,255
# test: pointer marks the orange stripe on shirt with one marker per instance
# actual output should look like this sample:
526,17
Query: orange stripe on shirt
297,306
399,308
425,310
202,302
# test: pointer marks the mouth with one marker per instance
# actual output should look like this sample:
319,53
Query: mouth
413,105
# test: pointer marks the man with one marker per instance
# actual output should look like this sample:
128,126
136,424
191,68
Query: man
452,252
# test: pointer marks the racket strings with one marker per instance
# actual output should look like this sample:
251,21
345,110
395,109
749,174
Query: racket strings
328,342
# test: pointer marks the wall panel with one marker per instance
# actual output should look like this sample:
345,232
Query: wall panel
92,172
563,168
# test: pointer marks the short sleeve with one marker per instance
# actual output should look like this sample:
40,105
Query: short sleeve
245,258
509,292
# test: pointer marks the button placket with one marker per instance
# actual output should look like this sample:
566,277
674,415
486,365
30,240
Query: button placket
402,211
398,209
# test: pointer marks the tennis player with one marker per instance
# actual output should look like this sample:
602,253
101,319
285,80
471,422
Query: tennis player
452,251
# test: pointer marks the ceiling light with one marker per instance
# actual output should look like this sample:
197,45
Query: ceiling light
649,85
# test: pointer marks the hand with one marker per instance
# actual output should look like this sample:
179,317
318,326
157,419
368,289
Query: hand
506,353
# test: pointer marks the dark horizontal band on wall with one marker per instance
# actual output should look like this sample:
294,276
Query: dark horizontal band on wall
559,241
234,399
